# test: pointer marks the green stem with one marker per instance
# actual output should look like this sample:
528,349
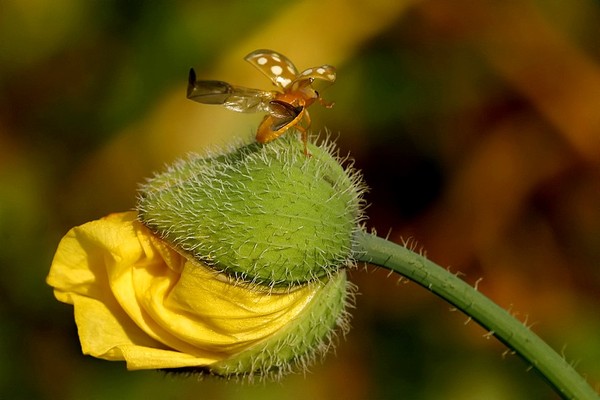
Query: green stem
560,374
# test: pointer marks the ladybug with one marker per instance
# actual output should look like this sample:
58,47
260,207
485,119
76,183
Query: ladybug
286,108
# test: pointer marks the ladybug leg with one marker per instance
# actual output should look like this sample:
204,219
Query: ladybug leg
304,135
304,131
325,103
307,119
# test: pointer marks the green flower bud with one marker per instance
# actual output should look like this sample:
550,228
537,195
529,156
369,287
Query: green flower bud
233,265
266,214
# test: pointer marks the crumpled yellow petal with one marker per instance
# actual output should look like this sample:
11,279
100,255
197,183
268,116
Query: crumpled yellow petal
137,299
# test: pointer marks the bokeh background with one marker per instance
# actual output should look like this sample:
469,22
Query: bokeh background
477,126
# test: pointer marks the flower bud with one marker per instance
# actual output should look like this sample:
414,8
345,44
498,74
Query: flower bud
232,266
267,214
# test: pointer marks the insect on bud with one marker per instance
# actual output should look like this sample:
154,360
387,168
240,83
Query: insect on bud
268,215
234,264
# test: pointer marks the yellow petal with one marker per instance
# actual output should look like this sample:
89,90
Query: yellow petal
137,299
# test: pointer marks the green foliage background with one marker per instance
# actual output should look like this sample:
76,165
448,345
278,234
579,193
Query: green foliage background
476,125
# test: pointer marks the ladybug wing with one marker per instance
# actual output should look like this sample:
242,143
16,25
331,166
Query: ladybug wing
324,72
277,67
283,113
234,98
282,116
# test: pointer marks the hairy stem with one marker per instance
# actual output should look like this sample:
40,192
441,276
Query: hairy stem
554,368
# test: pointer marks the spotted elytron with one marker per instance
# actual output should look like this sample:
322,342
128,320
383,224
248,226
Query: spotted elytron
285,109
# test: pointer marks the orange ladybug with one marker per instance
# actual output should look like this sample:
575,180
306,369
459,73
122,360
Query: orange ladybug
285,109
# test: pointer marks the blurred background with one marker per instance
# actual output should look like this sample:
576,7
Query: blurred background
477,126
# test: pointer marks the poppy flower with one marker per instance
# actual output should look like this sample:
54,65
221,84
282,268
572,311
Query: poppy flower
228,267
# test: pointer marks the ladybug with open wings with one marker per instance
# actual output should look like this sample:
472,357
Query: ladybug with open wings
285,109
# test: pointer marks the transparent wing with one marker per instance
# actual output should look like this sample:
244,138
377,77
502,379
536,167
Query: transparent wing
277,67
324,72
234,98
